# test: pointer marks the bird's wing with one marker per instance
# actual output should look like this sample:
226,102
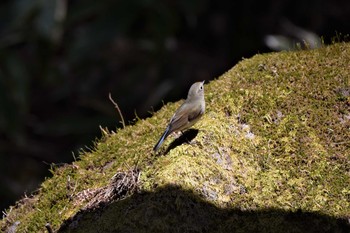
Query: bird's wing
179,118
183,116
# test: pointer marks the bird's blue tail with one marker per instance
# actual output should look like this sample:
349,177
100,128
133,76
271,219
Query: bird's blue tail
160,142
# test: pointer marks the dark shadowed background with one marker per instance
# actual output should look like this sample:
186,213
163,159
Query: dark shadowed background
59,59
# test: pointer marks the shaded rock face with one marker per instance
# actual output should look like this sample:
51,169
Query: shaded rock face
172,209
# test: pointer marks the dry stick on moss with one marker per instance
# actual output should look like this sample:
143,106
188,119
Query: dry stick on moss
117,107
123,122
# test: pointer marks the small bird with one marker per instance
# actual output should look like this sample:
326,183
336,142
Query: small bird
187,114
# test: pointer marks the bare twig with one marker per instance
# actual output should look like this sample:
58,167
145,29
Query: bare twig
117,107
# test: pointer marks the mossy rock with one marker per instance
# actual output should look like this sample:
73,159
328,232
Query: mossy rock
271,154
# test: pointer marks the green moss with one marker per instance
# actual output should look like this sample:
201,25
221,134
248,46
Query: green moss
272,150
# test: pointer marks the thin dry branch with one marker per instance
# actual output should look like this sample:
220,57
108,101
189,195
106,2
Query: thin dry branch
118,109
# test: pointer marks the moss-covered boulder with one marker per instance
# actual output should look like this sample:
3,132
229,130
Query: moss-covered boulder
271,154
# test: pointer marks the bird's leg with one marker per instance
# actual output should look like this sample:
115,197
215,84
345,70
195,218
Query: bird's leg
178,134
